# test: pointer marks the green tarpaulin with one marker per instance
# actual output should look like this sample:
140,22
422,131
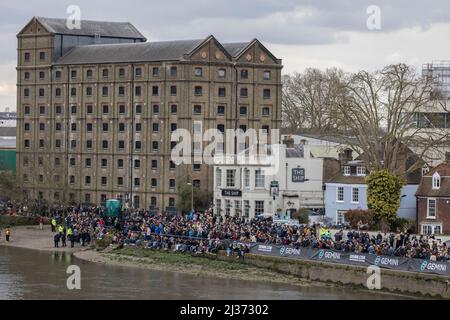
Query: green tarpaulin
113,207
8,160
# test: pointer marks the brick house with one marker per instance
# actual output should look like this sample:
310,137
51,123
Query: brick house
433,200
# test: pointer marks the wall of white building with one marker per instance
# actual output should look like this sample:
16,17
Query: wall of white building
245,189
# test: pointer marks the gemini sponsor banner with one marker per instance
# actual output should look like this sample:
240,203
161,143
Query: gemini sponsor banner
265,248
351,258
389,262
427,266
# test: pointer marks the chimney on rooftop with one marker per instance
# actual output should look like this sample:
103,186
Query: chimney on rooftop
346,156
447,156
288,141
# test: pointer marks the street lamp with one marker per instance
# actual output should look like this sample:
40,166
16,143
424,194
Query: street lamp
192,196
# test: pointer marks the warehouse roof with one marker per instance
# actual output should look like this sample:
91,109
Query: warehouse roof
7,131
129,52
139,52
92,28
7,142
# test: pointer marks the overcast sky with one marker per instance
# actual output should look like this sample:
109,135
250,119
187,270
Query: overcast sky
315,33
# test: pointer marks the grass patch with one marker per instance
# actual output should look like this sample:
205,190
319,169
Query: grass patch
181,259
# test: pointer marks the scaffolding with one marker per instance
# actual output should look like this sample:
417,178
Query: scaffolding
440,71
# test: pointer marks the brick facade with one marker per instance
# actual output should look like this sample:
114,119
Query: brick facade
79,120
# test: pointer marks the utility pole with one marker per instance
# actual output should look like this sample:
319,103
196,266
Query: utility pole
192,196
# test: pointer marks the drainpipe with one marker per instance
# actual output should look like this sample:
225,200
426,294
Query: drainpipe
131,139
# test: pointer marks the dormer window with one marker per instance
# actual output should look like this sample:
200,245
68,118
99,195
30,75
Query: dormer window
425,170
361,171
436,181
346,170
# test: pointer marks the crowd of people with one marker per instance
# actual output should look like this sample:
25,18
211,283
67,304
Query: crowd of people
207,233
77,225
401,244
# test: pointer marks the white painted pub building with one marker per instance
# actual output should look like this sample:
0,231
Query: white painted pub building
292,179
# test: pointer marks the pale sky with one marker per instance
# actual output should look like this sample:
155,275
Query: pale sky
314,33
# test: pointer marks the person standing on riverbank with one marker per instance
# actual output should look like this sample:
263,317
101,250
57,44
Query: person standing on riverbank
56,238
63,238
69,236
7,234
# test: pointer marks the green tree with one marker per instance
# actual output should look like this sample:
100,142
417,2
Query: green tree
383,194
202,198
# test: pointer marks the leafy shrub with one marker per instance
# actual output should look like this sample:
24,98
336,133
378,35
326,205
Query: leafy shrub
302,215
353,217
14,221
101,244
402,223
383,195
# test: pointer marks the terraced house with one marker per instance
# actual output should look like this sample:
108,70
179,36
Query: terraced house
97,105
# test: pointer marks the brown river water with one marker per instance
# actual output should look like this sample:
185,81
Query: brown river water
30,274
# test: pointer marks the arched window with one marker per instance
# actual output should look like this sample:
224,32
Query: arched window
436,181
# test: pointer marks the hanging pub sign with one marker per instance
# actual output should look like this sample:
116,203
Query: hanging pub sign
298,175
274,189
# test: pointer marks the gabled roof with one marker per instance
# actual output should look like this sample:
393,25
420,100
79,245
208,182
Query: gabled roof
426,184
92,28
129,52
251,43
210,38
235,48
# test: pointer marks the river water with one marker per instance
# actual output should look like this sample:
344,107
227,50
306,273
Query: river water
29,274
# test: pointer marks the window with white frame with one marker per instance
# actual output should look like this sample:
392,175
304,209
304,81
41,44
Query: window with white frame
218,206
218,177
437,229
259,178
237,208
425,170
246,208
427,229
259,207
355,195
361,171
346,170
340,194
230,178
227,207
431,212
340,218
436,181
246,178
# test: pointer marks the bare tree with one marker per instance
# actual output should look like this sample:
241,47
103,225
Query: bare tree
51,178
309,98
377,116
8,186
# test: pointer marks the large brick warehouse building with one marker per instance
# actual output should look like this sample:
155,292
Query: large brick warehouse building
97,105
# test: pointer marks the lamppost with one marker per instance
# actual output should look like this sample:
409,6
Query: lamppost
192,196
